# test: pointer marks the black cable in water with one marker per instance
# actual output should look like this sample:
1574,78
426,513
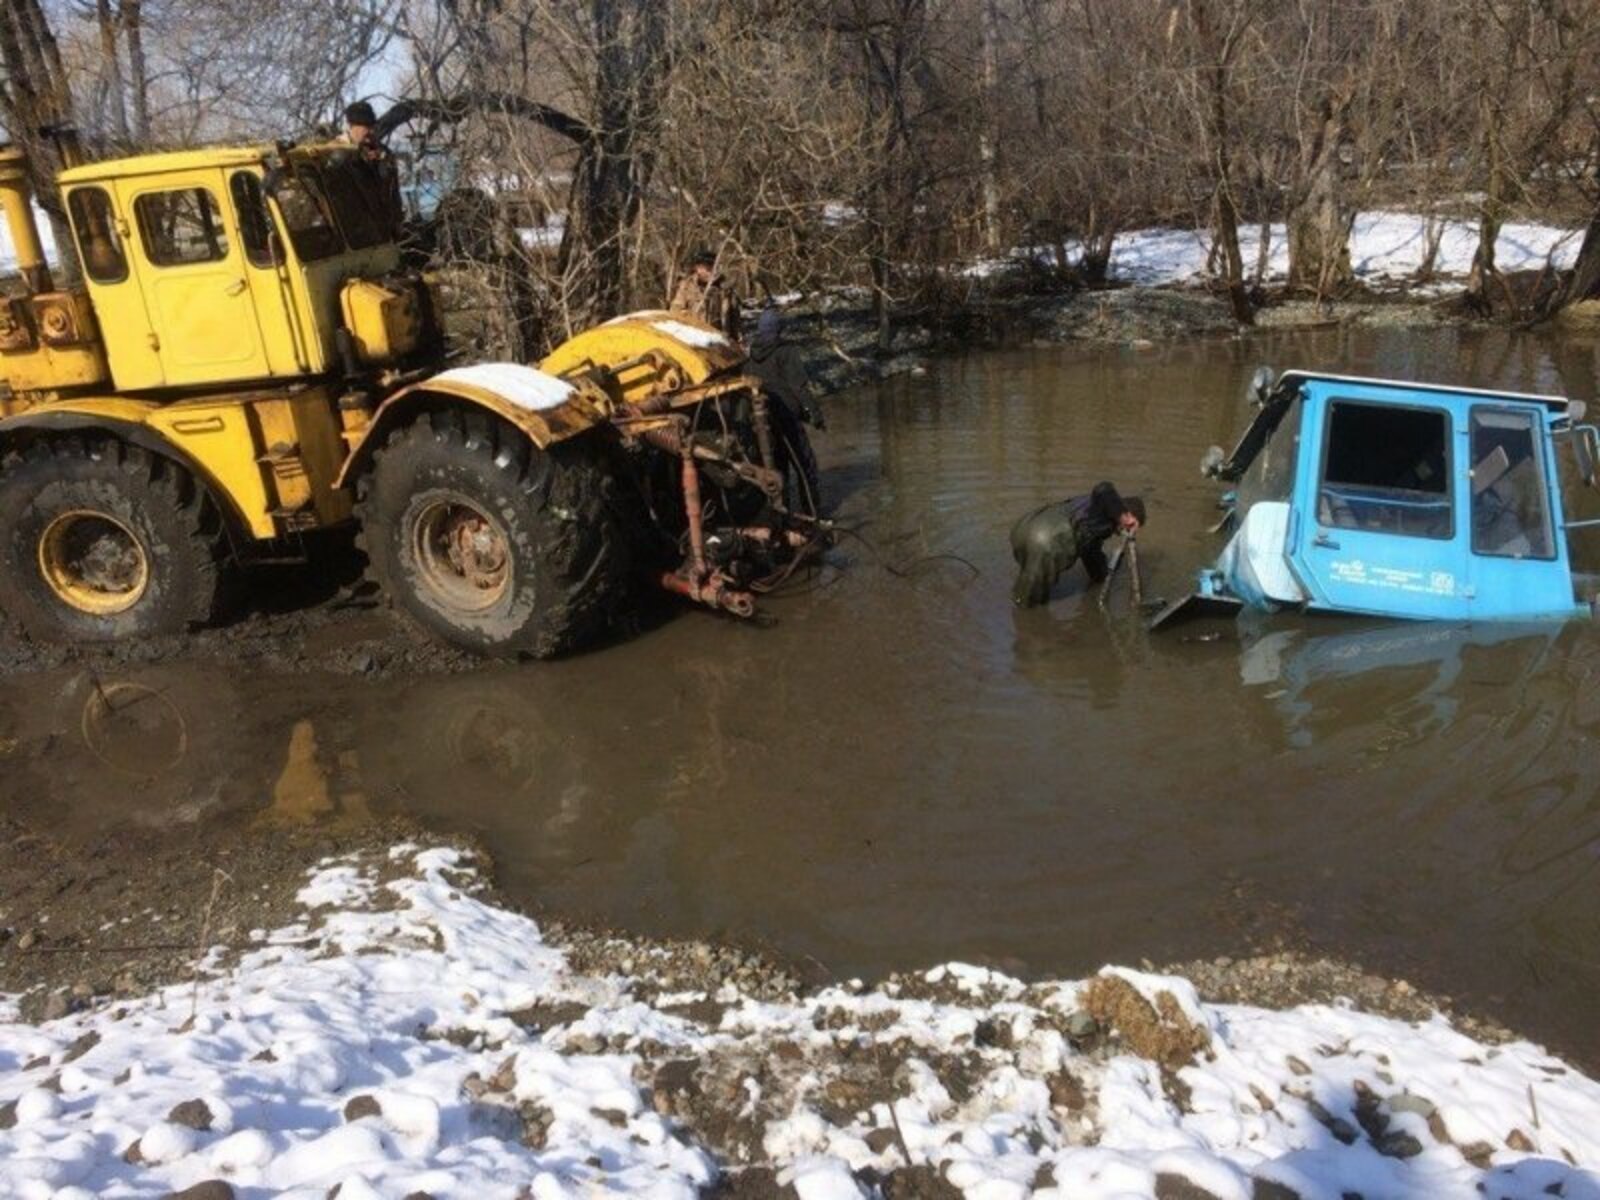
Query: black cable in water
910,569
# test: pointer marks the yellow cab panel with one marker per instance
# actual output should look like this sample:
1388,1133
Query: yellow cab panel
108,268
191,272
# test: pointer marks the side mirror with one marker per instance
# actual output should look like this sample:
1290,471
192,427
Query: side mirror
1261,386
1583,449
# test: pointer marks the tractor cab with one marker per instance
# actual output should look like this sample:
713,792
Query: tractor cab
1396,499
226,266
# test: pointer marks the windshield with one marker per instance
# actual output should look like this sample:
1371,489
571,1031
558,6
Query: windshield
305,213
1270,475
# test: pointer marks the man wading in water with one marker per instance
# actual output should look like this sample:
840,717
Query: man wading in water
1049,540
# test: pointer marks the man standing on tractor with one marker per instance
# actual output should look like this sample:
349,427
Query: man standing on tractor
1049,540
377,162
704,295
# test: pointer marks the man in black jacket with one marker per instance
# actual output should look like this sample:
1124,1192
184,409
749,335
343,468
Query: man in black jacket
378,171
1049,540
782,370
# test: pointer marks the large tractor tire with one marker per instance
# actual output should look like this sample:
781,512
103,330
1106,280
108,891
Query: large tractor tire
491,543
100,540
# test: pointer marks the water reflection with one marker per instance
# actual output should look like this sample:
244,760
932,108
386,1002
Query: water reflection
1407,671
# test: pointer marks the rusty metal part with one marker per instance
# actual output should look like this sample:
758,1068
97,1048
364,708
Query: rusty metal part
694,579
792,538
673,438
715,591
1133,573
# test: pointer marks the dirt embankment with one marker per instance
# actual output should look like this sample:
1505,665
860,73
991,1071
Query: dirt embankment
85,922
839,337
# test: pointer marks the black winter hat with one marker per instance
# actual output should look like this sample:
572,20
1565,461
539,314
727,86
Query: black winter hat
1135,505
703,258
360,113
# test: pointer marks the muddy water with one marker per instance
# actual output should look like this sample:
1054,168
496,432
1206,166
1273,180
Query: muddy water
903,769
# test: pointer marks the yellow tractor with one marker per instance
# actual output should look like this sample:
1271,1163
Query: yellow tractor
245,361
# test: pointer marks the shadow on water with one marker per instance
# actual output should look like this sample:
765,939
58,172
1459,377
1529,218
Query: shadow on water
905,770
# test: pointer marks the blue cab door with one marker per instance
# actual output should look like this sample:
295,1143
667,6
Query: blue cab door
1518,563
1379,522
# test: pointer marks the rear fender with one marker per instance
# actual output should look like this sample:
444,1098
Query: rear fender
548,410
127,421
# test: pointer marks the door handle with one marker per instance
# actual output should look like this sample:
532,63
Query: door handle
1326,542
234,288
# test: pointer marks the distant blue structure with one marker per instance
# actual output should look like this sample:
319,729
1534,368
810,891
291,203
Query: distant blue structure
1394,499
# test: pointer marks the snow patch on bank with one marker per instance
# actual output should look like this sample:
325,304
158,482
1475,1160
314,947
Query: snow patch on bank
1385,248
410,1037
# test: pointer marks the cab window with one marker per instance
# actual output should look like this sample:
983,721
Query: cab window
1270,475
255,223
350,188
305,214
181,227
1386,469
1510,501
99,244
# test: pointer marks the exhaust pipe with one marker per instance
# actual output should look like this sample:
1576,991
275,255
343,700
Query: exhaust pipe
16,198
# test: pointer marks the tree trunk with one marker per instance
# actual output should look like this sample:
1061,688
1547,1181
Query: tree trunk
1585,279
1216,71
990,21
882,313
1098,241
1493,215
1227,237
111,63
1263,252
1318,223
138,71
615,163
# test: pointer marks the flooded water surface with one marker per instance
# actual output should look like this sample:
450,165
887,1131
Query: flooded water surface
904,769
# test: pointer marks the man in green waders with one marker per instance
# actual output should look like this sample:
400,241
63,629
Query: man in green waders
1049,540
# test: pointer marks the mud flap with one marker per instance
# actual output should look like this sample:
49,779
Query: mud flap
1193,606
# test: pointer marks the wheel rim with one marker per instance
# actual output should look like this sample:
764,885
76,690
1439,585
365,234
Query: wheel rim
462,554
93,562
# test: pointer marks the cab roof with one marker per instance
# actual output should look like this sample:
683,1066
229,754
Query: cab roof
202,158
167,162
1556,403
1285,392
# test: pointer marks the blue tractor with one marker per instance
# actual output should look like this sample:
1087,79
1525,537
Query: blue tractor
1395,499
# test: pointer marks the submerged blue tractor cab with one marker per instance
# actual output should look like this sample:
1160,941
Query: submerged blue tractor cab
1395,499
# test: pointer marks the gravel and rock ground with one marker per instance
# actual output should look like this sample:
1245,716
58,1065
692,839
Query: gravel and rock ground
388,1029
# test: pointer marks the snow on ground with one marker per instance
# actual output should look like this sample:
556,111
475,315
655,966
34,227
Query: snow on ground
1385,248
408,1038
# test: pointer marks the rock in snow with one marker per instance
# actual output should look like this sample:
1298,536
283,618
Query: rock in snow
386,1052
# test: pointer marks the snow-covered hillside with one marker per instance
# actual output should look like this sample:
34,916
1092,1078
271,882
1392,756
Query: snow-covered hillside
408,1038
